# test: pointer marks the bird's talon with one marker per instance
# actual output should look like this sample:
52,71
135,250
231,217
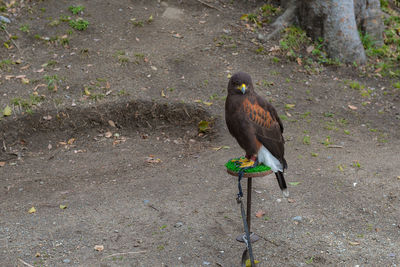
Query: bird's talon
247,163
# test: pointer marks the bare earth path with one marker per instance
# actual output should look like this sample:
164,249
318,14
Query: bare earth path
153,192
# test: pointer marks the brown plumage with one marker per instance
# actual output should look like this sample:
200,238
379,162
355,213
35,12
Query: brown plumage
255,125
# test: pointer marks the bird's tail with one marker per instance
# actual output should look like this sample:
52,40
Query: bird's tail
282,183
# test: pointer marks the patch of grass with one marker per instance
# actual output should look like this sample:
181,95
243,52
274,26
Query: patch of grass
52,81
283,117
97,97
76,9
306,140
137,23
327,141
27,104
64,18
49,63
79,24
54,22
121,56
384,60
139,57
260,49
122,92
310,260
5,64
356,164
294,38
24,28
269,10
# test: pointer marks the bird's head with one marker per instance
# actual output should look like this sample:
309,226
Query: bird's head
240,83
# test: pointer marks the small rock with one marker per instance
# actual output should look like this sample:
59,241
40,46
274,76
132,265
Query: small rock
206,263
392,255
146,201
4,19
279,200
297,218
226,31
178,224
66,260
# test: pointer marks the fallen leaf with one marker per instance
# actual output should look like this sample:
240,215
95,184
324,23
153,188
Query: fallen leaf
260,213
354,243
32,210
112,124
25,80
204,126
108,86
177,35
151,159
71,141
39,85
9,77
207,103
163,94
289,106
310,49
352,107
20,76
108,134
2,163
63,207
291,200
294,183
275,48
99,247
39,70
7,111
86,91
198,101
47,118
299,61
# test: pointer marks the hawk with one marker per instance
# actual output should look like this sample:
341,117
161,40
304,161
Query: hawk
256,126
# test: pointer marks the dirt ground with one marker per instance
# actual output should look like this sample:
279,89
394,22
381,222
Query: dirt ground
121,165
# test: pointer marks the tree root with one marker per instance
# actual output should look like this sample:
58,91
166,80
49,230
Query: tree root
284,20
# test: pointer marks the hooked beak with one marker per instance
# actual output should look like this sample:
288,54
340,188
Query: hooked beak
243,88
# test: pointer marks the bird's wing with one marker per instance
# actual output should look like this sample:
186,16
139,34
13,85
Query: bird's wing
268,127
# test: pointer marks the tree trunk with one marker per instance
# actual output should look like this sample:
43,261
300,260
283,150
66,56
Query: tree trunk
337,22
